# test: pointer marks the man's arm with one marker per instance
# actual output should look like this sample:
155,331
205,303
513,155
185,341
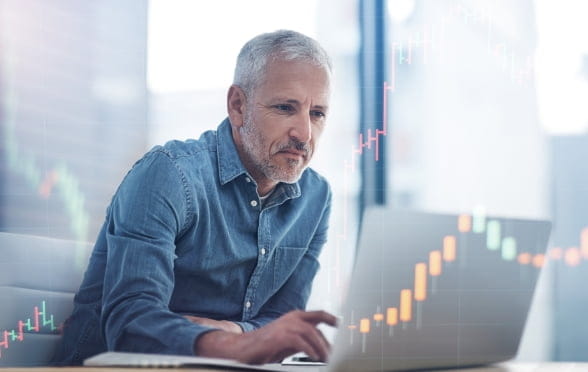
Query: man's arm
147,214
291,333
223,325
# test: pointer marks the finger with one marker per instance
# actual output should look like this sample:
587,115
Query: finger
278,350
271,343
286,337
325,341
302,343
281,354
318,342
319,316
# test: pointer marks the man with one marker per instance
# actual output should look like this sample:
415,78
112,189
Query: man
209,247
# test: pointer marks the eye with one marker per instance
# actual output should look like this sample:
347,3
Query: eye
284,108
318,114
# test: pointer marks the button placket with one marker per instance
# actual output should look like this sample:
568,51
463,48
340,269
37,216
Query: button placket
263,250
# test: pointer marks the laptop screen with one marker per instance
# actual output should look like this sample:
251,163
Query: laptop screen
433,290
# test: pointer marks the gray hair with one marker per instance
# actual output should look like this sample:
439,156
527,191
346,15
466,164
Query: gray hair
282,45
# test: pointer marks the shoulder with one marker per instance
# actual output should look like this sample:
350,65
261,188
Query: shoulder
181,163
186,155
176,149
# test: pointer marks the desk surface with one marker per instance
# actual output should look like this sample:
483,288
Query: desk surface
503,367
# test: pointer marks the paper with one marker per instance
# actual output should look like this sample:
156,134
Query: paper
121,359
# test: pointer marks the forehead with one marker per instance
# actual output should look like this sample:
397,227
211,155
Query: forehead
296,80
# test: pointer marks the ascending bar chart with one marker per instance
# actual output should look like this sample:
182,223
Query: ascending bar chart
40,321
424,284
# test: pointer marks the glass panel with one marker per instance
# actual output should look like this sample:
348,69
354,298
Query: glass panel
487,112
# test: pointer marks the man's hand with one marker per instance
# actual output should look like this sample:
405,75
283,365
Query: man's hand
293,332
224,325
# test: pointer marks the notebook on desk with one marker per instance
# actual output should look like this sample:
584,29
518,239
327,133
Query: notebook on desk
121,359
431,291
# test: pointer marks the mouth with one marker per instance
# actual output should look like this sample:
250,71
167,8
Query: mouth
293,154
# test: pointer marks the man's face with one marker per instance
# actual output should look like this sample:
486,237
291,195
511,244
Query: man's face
283,121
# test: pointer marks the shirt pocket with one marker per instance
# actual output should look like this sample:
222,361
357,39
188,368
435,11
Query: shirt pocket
286,260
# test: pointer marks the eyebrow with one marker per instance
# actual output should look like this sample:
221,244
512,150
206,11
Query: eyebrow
296,102
320,107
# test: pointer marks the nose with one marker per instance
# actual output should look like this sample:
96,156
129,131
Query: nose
302,129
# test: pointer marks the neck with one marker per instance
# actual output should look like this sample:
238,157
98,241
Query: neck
264,188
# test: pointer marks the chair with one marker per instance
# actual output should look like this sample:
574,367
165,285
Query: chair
38,279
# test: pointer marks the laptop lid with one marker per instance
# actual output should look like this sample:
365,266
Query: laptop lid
432,290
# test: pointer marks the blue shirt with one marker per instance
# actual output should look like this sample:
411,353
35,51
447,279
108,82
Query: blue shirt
186,233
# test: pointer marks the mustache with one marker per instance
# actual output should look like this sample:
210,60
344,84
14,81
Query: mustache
294,144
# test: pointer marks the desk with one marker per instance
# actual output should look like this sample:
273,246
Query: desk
503,367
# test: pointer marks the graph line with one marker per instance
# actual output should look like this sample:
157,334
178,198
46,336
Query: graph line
411,299
25,164
39,321
426,46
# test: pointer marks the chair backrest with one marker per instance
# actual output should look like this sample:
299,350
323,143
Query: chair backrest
38,279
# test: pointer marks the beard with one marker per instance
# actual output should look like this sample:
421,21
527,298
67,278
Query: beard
257,148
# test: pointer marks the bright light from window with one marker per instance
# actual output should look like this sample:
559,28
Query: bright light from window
562,83
400,10
185,54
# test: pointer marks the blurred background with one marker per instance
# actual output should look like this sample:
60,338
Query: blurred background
441,105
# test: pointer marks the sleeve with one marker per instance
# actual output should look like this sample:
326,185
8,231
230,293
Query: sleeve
293,295
149,210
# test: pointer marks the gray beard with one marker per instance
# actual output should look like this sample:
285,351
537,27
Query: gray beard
253,143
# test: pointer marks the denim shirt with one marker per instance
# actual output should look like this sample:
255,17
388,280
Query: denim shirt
186,233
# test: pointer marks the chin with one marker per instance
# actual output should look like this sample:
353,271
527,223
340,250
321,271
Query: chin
292,178
287,175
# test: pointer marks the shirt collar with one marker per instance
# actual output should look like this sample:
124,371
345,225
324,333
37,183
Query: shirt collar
229,163
231,167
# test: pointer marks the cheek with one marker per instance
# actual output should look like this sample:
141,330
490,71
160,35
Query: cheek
316,134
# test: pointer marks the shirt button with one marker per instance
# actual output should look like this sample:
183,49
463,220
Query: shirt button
253,203
247,179
262,251
247,304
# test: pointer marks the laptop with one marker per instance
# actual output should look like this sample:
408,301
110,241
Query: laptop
438,291
428,291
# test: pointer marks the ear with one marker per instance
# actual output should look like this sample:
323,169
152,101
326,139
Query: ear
236,102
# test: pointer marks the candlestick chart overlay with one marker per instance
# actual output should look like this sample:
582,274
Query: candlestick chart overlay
66,140
40,321
429,286
70,190
430,43
63,147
